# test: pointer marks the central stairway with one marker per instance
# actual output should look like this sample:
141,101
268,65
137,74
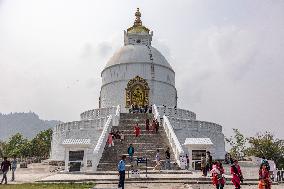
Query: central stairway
144,146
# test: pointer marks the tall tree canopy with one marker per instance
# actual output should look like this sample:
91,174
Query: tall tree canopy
238,144
266,145
19,146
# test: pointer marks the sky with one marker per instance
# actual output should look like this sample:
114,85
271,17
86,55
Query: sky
228,56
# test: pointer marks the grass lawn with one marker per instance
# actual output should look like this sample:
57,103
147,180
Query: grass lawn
49,186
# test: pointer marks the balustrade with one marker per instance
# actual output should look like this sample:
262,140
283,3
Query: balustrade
172,112
97,113
174,142
178,123
98,151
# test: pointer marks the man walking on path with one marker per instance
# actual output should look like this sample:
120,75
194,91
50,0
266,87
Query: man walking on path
209,161
121,172
14,167
203,166
5,165
130,152
168,159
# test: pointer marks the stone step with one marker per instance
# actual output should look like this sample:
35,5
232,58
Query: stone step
145,145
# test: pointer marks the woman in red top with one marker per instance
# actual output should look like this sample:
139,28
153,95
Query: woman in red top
237,174
137,130
264,178
217,175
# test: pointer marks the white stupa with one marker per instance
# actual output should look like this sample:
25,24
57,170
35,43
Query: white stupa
137,74
136,61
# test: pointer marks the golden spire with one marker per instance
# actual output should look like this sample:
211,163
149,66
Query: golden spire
137,26
138,21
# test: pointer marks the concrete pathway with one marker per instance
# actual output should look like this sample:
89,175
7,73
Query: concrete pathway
175,186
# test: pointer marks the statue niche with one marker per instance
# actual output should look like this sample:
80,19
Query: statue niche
137,92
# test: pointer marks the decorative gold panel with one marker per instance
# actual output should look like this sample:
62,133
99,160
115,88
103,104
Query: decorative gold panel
137,92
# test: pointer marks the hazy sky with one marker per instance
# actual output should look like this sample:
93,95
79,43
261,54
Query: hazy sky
228,56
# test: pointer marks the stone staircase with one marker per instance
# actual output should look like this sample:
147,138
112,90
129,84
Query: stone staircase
145,145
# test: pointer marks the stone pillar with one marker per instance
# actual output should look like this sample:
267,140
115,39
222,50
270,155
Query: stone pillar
190,158
66,159
85,160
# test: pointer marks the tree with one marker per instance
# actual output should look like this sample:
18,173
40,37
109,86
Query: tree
264,144
41,144
15,145
238,144
2,146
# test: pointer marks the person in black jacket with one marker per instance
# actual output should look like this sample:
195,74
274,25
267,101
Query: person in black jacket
5,165
209,161
168,159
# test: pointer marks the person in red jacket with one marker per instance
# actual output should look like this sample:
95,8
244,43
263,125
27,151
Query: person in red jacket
217,175
237,174
264,178
137,130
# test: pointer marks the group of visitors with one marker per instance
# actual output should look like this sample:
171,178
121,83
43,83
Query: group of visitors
130,151
140,109
115,135
216,169
167,160
154,126
6,165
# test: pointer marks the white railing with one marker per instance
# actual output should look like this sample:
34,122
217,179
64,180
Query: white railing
176,112
156,112
197,125
97,113
97,123
98,151
175,144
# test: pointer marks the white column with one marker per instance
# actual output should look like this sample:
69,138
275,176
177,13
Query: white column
85,160
190,157
66,159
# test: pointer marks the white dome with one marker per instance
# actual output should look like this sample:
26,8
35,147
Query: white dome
137,54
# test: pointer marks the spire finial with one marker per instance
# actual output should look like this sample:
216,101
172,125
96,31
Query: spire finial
138,21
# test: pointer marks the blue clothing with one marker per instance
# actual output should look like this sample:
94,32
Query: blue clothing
121,179
121,166
130,150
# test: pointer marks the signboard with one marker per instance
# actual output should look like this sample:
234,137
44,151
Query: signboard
142,160
135,173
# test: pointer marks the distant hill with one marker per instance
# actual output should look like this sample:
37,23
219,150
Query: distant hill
28,124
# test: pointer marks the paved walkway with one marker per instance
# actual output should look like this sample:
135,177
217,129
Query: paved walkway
175,186
34,172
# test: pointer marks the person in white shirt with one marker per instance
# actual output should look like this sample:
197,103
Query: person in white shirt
157,159
14,167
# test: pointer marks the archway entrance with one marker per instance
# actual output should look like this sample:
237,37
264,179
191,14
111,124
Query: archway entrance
137,92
